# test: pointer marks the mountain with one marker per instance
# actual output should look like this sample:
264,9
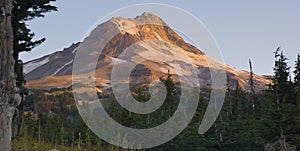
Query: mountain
140,37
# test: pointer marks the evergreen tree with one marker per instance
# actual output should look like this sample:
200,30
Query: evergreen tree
281,75
296,114
170,104
297,79
170,86
253,100
281,116
24,11
23,40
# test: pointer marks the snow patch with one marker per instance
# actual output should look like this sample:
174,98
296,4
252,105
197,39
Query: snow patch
125,25
157,36
116,61
28,67
107,87
74,50
62,67
163,70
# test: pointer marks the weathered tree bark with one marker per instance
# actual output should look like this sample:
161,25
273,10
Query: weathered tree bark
9,97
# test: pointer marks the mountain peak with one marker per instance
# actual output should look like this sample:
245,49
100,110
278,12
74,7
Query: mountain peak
148,35
147,14
145,18
149,18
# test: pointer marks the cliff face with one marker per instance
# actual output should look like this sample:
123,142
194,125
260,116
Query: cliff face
140,37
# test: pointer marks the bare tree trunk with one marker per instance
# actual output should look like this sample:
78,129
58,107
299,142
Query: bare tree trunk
9,97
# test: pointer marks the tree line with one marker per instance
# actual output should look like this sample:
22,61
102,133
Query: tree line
249,120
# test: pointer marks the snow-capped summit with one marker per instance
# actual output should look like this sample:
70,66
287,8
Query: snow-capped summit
145,35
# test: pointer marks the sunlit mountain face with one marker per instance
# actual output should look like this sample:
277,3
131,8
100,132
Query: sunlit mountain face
140,37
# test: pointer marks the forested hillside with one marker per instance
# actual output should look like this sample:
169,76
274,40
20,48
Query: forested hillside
264,120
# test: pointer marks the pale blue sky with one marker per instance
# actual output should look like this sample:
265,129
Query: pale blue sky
243,30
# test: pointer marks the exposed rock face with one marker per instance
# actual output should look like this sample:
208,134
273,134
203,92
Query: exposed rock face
139,37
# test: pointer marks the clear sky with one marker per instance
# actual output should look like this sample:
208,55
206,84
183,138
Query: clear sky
243,29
